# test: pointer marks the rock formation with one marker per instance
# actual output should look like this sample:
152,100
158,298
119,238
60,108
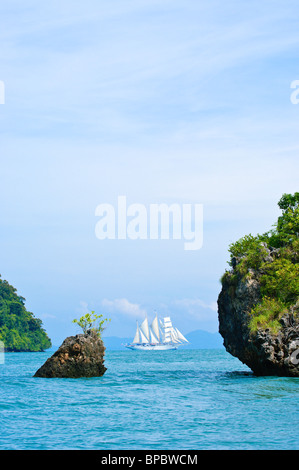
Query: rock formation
78,356
266,352
258,305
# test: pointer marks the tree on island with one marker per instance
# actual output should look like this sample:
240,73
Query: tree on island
92,322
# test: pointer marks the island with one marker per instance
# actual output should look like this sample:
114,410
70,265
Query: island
20,330
81,355
258,306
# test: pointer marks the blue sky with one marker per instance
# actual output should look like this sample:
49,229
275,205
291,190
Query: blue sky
175,102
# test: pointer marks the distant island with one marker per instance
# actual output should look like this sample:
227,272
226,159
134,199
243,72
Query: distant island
20,331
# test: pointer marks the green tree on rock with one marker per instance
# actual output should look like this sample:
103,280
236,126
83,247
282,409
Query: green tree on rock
92,322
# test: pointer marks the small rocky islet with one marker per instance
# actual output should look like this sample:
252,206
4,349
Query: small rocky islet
78,356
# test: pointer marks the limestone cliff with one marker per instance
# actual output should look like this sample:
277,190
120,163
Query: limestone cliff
267,351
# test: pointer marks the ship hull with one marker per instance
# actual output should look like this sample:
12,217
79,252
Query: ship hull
151,347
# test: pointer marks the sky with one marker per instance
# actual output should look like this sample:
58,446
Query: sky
169,102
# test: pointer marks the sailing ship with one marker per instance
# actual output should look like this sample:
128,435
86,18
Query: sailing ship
161,335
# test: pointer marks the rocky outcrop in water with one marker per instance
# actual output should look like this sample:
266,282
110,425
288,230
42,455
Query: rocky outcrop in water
264,351
78,356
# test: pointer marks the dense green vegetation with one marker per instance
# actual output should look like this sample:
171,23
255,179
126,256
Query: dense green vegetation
278,273
19,329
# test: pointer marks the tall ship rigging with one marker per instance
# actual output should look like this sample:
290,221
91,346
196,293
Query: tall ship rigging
161,335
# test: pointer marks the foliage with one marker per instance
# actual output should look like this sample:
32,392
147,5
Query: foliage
281,281
286,230
279,273
267,314
92,321
251,252
19,329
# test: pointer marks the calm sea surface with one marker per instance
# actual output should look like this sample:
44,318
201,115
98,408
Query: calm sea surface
169,400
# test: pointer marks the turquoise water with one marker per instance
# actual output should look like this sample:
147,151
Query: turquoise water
192,399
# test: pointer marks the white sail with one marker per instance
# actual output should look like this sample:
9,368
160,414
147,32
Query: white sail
153,337
143,338
155,328
167,325
180,336
137,335
144,328
167,322
174,337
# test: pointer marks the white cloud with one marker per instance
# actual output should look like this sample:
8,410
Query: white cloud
199,311
196,303
125,307
45,316
83,309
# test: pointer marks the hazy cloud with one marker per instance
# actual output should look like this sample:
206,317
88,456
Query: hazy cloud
196,303
125,307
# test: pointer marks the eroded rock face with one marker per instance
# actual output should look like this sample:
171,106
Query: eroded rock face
78,356
264,352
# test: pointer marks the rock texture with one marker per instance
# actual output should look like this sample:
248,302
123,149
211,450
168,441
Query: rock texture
264,352
78,356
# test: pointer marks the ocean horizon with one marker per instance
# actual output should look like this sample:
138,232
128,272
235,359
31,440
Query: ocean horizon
170,400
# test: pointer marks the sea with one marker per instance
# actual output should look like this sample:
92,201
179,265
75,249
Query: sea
148,400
